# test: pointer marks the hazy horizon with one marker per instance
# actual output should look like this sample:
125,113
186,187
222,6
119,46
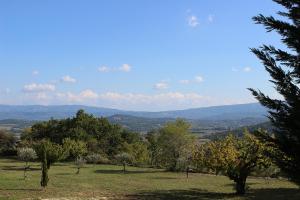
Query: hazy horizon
191,108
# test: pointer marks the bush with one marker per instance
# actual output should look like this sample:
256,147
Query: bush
124,159
74,149
26,155
7,143
96,158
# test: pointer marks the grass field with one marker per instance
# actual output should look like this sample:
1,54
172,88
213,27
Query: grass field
108,182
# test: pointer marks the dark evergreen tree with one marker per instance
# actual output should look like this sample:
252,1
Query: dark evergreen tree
44,178
283,65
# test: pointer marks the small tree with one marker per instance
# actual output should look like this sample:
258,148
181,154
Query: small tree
236,157
172,141
54,152
79,162
44,177
124,159
26,155
48,153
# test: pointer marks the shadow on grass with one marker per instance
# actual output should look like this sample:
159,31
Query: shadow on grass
197,194
19,168
192,194
21,189
274,194
110,171
165,178
64,174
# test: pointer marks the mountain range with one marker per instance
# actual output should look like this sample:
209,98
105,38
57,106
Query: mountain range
228,112
204,121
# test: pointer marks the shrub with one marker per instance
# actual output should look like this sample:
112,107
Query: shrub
96,158
79,162
124,159
26,155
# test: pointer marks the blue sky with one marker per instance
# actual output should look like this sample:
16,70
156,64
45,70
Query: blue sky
132,54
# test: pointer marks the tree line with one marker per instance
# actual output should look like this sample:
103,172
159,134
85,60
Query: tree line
85,138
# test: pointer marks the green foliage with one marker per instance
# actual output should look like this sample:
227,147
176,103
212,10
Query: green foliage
96,158
74,149
44,177
124,159
235,157
26,155
50,151
139,152
173,141
152,144
284,69
7,143
97,134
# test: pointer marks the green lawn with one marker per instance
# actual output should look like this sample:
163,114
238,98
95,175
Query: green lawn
108,182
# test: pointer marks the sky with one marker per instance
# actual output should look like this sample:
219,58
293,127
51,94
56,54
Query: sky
148,55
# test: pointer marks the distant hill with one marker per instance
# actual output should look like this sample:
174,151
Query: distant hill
204,121
139,124
230,112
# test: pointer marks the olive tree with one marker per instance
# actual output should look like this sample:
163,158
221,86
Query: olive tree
26,155
79,162
124,159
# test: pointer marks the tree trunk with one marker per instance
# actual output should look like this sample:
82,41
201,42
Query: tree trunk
44,178
48,164
187,172
124,168
240,185
25,169
25,173
78,170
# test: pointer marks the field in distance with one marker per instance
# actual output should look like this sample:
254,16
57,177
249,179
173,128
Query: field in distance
108,182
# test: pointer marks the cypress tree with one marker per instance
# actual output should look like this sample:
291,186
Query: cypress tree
44,178
283,65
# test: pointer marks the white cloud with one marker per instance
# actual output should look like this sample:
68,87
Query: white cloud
35,73
125,68
104,69
199,79
210,18
184,81
193,21
161,86
33,87
68,79
88,94
126,101
83,96
247,69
